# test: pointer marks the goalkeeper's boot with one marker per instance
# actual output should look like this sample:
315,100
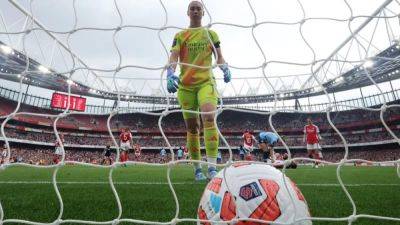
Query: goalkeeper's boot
212,172
199,176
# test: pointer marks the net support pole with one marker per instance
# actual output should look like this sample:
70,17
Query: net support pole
26,93
355,32
391,87
362,97
334,101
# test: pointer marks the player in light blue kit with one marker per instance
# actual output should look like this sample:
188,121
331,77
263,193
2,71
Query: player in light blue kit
163,154
179,153
266,142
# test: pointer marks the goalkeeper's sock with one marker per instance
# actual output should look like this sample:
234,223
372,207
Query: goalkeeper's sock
211,160
193,144
197,166
211,139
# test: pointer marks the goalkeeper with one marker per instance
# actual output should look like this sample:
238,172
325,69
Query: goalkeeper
196,86
266,142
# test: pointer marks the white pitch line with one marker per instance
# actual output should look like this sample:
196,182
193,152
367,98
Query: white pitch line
174,183
348,185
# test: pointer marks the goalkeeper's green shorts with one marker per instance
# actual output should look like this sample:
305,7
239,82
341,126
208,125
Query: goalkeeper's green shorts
191,98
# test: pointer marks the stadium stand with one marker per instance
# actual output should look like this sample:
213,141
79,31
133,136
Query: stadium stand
86,135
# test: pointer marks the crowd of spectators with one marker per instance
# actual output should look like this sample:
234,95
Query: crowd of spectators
232,124
41,156
149,140
227,120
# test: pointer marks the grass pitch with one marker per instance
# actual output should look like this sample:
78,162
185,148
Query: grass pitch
28,194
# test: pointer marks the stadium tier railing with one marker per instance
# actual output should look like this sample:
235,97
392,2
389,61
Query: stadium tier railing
367,101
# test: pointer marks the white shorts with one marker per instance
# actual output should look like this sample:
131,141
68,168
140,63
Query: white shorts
314,146
58,151
125,146
248,148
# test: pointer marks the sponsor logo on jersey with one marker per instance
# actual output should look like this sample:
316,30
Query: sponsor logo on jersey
212,138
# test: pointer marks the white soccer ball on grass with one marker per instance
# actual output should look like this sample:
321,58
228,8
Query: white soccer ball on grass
255,191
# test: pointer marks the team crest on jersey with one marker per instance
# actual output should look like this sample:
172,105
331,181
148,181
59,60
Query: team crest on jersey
250,191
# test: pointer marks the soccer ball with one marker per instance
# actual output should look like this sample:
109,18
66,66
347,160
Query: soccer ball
257,191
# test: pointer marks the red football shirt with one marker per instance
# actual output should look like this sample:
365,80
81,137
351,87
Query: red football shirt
311,132
125,136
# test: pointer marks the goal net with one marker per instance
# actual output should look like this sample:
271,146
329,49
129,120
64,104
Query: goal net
259,41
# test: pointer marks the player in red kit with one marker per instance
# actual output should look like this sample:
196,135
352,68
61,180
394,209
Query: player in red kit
138,151
248,141
185,153
125,138
58,150
312,138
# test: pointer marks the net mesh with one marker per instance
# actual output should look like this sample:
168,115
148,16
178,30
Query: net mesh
79,65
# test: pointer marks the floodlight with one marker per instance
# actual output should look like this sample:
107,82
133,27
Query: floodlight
43,69
368,64
6,49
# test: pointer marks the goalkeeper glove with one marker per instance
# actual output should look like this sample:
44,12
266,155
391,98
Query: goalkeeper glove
227,73
172,81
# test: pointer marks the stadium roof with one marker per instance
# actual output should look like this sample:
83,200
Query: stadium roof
386,66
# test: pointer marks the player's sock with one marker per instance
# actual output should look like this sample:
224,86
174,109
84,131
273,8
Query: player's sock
211,139
316,156
211,160
126,156
123,157
193,144
320,157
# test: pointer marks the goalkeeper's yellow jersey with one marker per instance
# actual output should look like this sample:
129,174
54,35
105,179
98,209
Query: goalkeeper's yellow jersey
195,48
